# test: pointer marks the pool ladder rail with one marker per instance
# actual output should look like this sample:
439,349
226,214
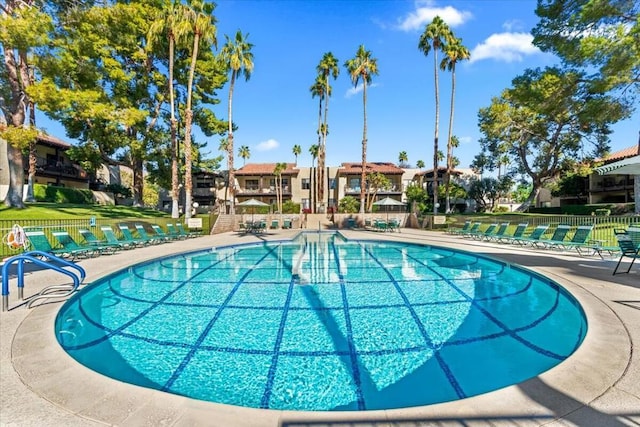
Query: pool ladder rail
47,261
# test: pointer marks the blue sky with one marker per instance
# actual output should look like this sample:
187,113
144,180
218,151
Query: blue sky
274,109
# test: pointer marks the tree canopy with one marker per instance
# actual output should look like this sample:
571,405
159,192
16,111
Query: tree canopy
544,123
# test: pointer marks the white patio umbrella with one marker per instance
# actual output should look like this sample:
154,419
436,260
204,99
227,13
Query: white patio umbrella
252,203
388,201
628,166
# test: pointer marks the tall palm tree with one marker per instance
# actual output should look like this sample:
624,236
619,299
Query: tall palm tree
435,35
296,152
245,153
328,67
313,150
238,58
362,67
171,22
200,16
280,167
420,165
454,52
403,158
317,89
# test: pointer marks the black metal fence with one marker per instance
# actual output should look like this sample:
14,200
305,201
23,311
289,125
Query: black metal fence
73,225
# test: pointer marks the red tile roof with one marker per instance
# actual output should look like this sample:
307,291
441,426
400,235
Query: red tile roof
266,169
441,169
53,141
380,167
634,150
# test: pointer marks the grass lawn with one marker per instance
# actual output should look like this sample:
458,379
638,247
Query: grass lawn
70,211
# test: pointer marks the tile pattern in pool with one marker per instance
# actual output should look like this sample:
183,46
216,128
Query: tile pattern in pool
322,323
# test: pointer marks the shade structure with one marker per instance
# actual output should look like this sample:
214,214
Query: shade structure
388,201
628,166
252,203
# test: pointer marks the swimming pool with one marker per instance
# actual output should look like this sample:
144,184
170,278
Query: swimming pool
322,323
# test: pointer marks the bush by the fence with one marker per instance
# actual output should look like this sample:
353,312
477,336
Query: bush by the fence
52,194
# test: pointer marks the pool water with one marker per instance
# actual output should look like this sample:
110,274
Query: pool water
322,323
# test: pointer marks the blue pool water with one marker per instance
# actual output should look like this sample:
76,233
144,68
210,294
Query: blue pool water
322,323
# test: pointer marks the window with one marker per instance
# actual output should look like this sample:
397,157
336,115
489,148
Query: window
332,183
251,184
306,184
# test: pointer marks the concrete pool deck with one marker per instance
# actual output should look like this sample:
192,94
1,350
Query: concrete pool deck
599,385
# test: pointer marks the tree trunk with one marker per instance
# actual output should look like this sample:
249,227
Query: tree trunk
17,77
449,147
175,178
531,199
435,138
16,177
188,152
138,181
232,175
364,145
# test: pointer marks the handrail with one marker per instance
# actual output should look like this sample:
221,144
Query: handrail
31,257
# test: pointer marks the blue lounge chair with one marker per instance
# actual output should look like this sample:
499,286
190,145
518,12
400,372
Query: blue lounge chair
628,249
499,234
111,237
161,233
40,242
102,245
75,250
173,231
472,230
126,233
190,234
555,240
517,233
535,236
458,230
480,235
154,240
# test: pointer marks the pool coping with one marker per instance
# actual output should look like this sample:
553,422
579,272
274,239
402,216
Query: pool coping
598,385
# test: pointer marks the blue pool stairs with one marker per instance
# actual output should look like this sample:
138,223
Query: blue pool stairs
46,261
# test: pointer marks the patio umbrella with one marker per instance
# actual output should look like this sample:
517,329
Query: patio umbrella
388,201
252,203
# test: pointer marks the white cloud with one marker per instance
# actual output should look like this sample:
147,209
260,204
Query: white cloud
507,47
465,140
268,145
513,25
355,90
424,13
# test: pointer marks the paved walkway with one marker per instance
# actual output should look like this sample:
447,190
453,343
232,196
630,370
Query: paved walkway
597,386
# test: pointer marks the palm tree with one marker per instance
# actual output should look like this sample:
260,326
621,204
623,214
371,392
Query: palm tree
296,152
434,37
200,17
317,89
280,167
420,165
403,158
313,150
224,147
327,67
172,23
238,58
245,153
454,52
362,67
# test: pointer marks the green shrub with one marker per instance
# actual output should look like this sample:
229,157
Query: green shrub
119,190
603,212
501,209
52,194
